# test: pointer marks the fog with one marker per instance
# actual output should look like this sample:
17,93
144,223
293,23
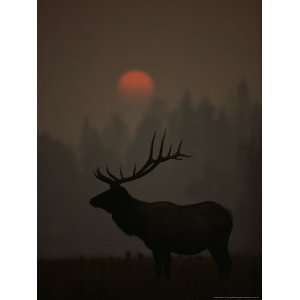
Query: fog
225,144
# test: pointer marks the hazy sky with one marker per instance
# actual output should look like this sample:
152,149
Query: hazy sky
206,46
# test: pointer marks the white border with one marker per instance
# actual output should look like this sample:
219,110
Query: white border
18,78
281,149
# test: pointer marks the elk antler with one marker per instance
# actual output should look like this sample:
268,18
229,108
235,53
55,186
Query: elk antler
150,164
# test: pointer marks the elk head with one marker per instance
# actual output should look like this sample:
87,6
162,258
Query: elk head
117,196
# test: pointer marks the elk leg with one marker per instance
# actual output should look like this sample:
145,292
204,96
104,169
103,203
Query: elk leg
167,265
222,258
158,263
162,261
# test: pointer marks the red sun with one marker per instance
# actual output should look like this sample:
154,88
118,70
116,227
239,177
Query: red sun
136,85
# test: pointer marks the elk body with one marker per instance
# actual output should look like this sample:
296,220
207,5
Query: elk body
164,227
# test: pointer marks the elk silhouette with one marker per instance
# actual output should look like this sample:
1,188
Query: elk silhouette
165,227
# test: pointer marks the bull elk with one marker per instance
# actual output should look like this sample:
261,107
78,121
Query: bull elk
165,227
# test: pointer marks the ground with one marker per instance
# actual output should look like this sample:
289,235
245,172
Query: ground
131,277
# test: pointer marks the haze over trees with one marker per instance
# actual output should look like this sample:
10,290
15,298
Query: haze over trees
225,143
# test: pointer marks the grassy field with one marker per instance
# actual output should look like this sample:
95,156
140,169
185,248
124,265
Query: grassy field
133,278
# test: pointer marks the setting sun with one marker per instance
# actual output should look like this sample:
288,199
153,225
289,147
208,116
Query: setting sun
135,85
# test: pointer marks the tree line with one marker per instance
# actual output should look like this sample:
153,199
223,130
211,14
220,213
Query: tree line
224,140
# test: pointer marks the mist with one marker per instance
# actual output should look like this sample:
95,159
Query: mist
225,144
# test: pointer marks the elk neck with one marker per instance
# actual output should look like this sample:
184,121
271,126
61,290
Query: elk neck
128,215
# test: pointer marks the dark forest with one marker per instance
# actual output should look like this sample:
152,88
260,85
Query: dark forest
225,168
